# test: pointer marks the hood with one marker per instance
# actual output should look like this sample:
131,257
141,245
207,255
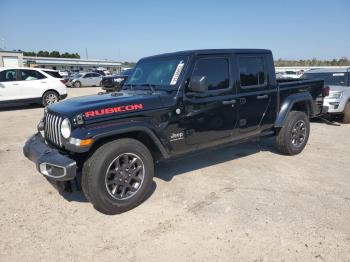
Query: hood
111,104
333,88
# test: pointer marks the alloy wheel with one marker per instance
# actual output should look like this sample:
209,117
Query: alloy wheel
124,176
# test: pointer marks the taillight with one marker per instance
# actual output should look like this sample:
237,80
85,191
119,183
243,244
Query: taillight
326,91
63,81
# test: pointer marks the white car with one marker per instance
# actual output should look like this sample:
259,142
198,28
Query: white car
290,75
30,85
85,79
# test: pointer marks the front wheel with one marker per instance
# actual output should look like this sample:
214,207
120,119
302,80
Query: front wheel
50,97
77,84
118,176
293,136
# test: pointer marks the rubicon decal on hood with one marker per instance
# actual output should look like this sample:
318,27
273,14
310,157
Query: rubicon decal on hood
111,110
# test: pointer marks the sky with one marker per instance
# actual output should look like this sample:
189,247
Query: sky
128,30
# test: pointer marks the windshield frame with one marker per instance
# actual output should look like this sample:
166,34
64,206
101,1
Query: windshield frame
169,87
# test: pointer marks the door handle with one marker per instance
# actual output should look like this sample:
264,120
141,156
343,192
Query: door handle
15,84
229,102
262,97
43,82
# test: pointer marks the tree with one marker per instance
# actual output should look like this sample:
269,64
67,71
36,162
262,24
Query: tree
55,54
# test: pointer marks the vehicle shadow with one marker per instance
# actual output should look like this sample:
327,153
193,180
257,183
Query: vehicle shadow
74,193
168,169
20,107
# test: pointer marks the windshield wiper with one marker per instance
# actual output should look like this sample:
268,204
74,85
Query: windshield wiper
151,86
129,85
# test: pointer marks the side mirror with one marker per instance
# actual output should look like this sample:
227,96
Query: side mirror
198,84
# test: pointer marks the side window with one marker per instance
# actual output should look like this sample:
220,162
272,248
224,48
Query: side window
27,75
88,75
8,75
96,75
215,69
252,71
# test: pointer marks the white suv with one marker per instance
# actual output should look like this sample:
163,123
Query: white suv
338,81
30,85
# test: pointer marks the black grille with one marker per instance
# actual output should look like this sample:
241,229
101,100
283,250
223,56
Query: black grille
53,129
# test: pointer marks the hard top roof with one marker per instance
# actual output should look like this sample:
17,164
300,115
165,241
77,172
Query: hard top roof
214,51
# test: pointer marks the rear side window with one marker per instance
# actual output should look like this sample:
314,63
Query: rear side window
54,74
8,75
215,69
252,71
28,75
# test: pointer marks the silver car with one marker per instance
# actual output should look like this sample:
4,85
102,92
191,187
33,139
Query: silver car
84,79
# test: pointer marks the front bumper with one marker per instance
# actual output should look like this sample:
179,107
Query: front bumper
49,161
335,105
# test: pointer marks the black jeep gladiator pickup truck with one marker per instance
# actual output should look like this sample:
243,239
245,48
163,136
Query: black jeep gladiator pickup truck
171,105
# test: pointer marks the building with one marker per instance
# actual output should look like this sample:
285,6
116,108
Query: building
71,64
11,58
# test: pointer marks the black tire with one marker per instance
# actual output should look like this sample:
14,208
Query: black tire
293,136
76,84
95,183
49,97
346,116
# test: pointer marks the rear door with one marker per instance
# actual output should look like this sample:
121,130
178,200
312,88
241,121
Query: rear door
87,79
213,115
97,78
9,85
257,97
33,83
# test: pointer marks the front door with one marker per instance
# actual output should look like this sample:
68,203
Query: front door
256,97
211,115
10,88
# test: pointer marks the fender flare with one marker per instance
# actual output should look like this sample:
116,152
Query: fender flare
124,130
288,104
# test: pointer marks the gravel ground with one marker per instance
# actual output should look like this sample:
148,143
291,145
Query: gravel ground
243,203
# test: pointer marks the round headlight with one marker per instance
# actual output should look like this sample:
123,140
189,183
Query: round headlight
65,128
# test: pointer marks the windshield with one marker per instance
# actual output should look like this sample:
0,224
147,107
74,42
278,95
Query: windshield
164,71
336,79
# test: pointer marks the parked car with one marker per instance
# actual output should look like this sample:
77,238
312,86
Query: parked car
338,80
63,73
30,85
84,79
114,83
290,75
102,72
171,105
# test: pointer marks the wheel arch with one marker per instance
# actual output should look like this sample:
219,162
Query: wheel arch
53,90
296,102
142,134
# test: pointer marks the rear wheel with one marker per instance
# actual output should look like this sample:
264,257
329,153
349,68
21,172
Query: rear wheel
49,97
346,117
77,84
293,136
118,176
